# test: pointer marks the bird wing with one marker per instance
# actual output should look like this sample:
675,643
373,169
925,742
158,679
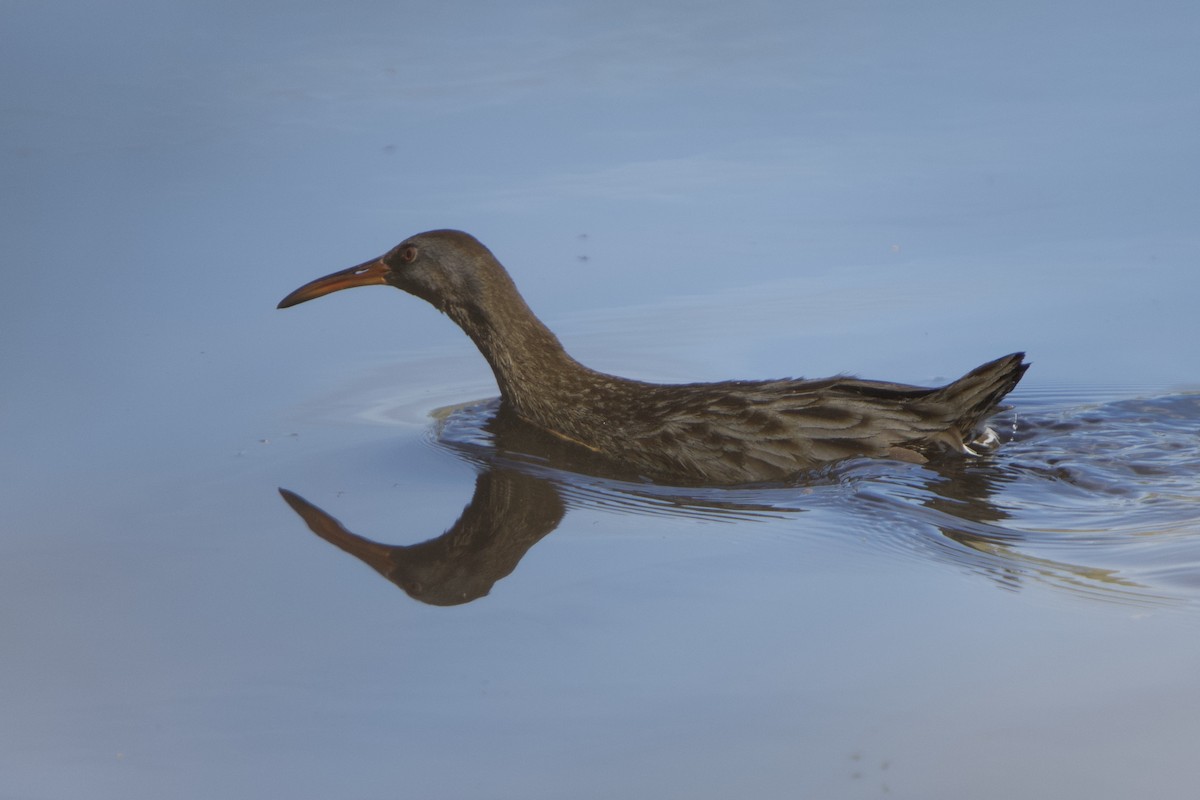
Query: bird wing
753,431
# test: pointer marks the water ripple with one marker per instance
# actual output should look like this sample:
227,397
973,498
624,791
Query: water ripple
1096,493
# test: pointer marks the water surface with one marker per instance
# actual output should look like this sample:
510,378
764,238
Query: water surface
683,193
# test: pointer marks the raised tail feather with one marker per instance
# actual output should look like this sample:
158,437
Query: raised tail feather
976,396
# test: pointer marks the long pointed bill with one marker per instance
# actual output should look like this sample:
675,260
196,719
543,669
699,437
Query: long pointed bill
368,273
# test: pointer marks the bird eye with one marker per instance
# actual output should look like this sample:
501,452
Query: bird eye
408,254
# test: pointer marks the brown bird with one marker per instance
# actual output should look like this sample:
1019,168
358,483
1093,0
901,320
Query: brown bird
727,432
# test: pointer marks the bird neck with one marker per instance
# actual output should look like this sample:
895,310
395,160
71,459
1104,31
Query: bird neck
535,374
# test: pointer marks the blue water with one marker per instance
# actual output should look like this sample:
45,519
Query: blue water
682,193
1108,516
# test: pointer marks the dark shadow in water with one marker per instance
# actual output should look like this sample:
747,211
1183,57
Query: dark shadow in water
509,514
946,509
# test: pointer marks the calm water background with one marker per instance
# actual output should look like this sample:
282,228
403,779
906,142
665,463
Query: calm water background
685,192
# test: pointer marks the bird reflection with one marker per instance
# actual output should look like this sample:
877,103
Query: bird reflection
509,514
526,483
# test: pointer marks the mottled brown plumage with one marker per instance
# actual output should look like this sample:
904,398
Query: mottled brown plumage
698,433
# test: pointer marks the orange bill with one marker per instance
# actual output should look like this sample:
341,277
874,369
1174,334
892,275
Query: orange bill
369,273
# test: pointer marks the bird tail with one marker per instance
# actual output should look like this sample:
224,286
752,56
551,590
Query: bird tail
976,396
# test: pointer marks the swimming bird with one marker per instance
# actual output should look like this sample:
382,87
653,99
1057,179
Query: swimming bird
723,433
